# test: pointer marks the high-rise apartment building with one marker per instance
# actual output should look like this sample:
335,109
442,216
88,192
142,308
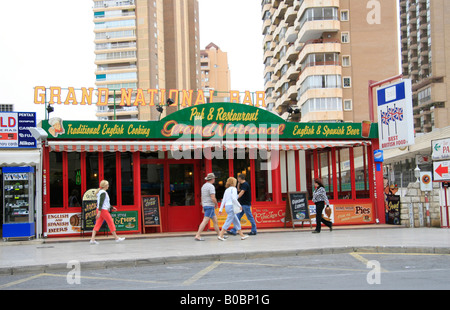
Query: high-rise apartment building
424,35
215,72
145,44
319,55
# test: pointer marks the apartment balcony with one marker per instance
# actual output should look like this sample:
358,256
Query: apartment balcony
291,15
289,96
319,70
318,46
291,34
320,93
313,30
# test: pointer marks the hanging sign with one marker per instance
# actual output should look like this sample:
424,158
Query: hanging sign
395,115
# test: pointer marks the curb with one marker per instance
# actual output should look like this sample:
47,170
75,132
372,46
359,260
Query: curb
142,262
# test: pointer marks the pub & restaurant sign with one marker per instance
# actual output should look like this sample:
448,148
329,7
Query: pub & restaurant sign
210,122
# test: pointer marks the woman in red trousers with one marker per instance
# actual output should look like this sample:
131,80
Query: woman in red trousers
103,209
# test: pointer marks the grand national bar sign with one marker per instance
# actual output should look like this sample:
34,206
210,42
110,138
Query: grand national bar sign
395,115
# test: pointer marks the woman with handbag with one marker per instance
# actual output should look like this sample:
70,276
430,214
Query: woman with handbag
232,207
320,199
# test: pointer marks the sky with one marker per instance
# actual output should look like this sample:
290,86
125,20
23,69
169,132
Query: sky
51,43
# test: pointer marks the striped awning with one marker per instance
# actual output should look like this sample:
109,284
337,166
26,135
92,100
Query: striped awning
154,146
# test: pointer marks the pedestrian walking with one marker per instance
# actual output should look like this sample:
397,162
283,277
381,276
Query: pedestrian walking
320,199
103,212
245,199
209,203
230,198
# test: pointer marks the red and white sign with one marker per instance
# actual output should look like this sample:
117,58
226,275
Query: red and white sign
441,171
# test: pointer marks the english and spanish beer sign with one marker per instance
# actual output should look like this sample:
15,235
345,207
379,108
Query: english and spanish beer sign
395,115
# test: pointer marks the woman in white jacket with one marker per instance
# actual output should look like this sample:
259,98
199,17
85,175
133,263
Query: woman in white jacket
230,197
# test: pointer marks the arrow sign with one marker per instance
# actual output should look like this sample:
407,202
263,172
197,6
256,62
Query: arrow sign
441,171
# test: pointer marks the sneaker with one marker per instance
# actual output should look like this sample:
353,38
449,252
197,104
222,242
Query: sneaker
220,238
231,233
120,239
252,233
244,237
93,242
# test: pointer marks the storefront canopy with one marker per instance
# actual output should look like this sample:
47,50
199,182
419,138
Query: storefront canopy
153,146
19,158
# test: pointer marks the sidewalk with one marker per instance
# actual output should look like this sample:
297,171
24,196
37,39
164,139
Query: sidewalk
51,255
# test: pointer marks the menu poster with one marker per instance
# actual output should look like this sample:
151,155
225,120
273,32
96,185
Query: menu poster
89,210
298,208
151,211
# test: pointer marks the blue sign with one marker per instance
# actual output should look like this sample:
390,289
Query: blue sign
14,129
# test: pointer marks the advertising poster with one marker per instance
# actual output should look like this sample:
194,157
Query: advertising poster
63,224
395,115
14,129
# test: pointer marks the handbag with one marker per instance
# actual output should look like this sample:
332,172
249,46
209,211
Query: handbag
236,208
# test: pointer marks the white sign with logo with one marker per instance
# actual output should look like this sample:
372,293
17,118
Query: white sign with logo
440,149
426,181
395,115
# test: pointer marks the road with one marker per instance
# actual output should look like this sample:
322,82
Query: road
351,271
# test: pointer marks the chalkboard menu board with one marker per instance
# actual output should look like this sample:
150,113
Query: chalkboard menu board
89,210
151,211
298,208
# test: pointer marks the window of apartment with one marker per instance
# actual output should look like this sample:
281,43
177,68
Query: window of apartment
348,105
347,82
322,105
320,81
321,59
346,61
345,37
344,15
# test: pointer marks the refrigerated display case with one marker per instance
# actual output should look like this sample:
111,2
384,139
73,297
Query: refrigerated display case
18,202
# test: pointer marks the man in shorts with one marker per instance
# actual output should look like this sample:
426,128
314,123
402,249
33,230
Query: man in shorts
209,203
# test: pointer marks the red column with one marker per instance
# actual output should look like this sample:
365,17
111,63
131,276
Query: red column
276,177
378,196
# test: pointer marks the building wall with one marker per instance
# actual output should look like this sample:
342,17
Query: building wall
425,40
294,31
164,42
215,72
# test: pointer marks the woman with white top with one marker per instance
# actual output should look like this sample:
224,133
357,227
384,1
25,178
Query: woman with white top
103,209
229,198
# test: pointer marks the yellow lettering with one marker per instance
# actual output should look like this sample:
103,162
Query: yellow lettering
55,92
152,93
187,98
126,96
247,98
260,99
86,97
39,95
103,96
200,98
71,98
139,98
